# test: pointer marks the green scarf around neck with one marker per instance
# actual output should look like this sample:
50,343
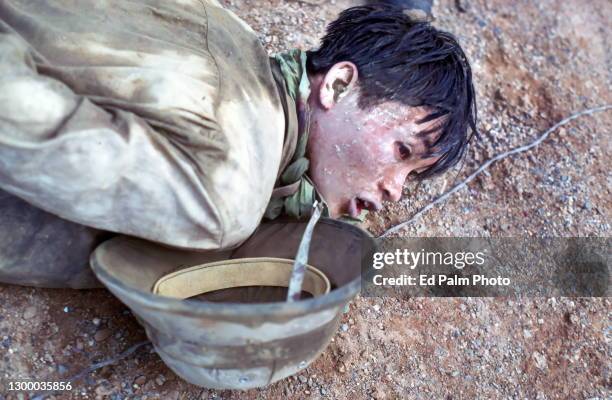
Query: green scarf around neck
299,204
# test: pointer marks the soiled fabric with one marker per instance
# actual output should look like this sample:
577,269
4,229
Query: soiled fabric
156,119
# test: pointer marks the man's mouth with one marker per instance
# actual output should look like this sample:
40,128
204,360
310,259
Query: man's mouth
360,203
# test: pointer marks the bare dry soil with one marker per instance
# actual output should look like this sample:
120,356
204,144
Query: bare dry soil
534,62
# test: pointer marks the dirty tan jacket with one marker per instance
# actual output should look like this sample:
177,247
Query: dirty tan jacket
157,119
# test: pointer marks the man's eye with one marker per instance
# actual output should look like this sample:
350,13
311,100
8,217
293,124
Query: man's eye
413,176
403,151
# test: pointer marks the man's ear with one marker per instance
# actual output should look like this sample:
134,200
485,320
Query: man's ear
338,82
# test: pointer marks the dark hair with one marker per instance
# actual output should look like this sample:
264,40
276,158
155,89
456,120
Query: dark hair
401,59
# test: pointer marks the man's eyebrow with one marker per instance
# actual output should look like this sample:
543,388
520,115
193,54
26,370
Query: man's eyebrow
428,149
427,141
436,119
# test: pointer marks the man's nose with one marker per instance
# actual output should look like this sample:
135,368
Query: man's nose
392,185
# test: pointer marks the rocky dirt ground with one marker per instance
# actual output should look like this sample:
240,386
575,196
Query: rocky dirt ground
534,62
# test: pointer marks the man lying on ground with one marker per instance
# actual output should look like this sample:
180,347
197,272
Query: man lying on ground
167,121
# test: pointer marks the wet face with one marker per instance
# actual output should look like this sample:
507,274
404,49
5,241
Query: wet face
360,158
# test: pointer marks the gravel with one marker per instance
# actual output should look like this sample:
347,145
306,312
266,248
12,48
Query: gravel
533,63
102,334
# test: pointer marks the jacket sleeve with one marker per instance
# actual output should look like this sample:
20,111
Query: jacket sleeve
104,168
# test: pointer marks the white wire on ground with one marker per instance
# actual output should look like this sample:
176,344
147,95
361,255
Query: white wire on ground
488,163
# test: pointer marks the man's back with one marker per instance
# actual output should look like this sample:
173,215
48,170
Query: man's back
140,117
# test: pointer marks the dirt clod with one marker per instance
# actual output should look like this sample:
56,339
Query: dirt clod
29,312
102,335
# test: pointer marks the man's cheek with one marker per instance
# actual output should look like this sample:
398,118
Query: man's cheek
371,155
